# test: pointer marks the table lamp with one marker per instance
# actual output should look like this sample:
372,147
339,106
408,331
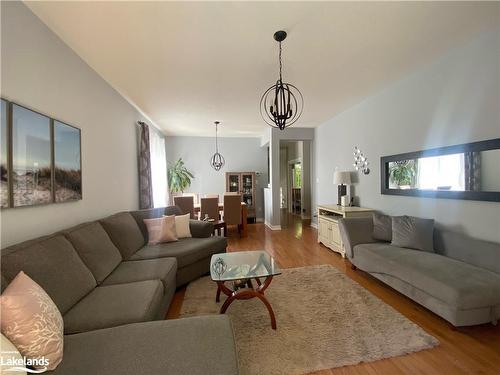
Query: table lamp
341,179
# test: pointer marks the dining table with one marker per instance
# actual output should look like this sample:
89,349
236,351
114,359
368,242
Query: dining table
244,215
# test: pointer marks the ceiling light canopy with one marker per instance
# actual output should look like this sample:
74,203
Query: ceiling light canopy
282,103
217,161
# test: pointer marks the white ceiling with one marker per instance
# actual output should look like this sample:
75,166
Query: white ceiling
187,64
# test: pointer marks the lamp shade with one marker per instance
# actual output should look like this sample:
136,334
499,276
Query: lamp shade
341,178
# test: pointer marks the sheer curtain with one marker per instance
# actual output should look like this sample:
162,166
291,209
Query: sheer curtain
158,169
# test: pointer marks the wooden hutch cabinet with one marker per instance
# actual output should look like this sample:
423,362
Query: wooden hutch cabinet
243,183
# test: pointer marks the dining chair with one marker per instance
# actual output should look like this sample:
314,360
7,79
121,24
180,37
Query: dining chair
232,210
186,204
194,195
210,207
211,196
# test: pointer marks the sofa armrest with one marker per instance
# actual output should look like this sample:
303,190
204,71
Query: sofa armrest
355,231
200,229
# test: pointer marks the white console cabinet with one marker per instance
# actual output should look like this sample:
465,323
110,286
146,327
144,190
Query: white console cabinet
328,227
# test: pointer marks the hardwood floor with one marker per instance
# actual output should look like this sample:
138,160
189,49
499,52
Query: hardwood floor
461,351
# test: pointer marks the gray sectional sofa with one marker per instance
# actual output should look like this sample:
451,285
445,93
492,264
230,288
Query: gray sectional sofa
113,290
459,281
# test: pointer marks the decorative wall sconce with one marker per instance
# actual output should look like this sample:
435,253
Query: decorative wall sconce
360,161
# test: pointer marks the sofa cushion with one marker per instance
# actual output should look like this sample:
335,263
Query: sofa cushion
200,228
54,264
458,284
114,305
95,248
173,210
196,346
413,233
124,232
382,227
163,269
186,250
480,253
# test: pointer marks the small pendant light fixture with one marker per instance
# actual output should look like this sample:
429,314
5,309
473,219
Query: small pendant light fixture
217,161
282,103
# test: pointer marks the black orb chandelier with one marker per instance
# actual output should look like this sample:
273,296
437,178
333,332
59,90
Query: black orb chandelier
282,103
217,161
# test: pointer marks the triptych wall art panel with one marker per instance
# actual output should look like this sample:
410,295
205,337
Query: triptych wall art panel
40,158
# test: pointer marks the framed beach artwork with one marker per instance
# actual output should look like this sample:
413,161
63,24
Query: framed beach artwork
4,168
67,163
31,157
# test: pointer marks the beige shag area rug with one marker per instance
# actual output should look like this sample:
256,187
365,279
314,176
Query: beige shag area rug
324,320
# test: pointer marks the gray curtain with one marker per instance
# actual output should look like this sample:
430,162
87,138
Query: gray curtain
472,171
145,184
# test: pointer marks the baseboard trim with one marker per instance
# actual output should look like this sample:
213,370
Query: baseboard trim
273,227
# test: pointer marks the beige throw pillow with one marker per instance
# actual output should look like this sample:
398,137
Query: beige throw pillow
161,229
182,225
32,322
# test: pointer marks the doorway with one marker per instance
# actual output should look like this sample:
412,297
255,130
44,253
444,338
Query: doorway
295,181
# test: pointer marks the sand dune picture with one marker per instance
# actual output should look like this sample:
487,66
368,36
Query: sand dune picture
44,159
67,168
4,192
31,158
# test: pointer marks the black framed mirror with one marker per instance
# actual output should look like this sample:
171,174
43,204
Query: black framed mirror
468,171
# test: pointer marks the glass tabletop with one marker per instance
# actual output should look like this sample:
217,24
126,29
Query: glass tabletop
242,265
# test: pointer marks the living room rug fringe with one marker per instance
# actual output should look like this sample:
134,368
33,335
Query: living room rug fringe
325,320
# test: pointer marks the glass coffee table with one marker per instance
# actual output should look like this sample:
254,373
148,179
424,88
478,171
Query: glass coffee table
235,272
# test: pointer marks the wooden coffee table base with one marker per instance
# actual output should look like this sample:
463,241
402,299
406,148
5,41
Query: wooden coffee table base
246,293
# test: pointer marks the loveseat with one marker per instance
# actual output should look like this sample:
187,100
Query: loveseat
113,290
459,281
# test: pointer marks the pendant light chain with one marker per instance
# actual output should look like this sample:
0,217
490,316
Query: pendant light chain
281,64
216,137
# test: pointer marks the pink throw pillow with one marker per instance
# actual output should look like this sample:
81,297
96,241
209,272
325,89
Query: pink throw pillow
161,229
32,322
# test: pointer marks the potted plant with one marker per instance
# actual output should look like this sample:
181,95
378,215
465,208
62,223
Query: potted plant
179,177
403,173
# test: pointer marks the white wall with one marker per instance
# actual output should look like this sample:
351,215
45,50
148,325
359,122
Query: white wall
41,72
241,155
454,100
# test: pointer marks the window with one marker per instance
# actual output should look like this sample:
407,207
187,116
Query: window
441,172
297,176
